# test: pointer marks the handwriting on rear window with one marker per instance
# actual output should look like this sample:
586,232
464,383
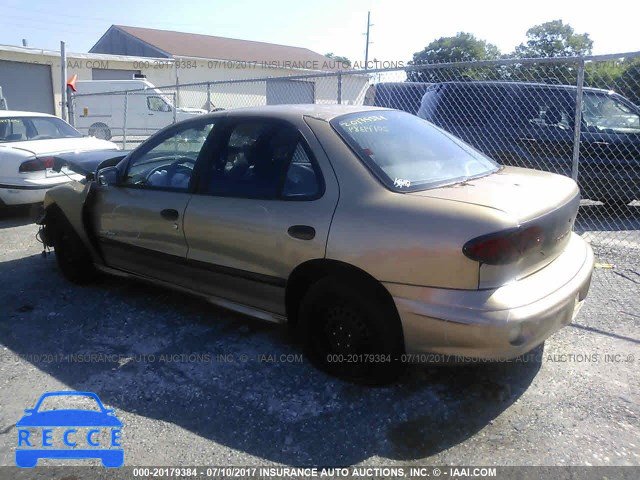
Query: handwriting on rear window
361,120
401,183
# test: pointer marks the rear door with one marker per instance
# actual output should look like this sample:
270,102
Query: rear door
539,129
139,223
264,207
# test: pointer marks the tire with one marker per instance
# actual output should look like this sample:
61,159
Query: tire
349,331
72,256
100,130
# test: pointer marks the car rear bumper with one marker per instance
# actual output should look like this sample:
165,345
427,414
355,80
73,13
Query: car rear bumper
499,323
31,191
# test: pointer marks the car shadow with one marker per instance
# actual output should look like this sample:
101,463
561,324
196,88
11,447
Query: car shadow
238,382
17,216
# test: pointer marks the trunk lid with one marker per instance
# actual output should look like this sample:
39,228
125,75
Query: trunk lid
529,199
61,145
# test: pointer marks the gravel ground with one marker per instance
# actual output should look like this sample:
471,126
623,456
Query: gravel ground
196,385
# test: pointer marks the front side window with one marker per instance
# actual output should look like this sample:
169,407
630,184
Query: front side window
605,113
263,159
170,163
158,104
408,154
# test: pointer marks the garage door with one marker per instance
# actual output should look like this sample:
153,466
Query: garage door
27,86
281,91
112,74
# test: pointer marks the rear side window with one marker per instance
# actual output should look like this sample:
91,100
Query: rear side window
406,153
34,128
12,130
461,105
541,107
401,96
264,159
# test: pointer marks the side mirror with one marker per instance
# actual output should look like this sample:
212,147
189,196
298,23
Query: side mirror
108,176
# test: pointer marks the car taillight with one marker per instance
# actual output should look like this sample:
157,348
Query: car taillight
503,247
36,165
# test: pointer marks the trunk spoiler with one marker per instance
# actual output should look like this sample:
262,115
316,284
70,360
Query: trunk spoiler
88,163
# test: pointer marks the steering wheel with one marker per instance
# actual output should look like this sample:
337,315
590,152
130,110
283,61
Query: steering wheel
172,169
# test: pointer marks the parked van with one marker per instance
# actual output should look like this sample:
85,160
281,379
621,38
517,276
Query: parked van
99,108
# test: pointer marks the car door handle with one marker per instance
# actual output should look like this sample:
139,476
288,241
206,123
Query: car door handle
170,214
527,139
302,232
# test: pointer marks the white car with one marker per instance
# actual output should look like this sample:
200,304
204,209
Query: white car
28,143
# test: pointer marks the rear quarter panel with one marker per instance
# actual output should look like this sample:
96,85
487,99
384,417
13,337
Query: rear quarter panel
400,238
10,160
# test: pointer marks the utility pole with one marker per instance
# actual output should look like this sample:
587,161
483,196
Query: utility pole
63,81
366,50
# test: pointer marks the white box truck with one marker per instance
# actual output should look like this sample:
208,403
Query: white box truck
99,107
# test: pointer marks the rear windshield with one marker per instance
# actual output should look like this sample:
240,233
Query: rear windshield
407,153
21,129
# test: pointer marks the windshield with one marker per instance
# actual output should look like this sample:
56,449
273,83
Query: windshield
407,153
21,129
67,402
603,112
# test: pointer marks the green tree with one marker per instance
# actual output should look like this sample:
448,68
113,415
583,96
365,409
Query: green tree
340,59
547,40
621,76
628,84
462,47
554,39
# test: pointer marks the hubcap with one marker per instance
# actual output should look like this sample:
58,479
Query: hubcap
345,330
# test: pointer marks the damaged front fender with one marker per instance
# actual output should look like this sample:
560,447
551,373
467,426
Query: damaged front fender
72,203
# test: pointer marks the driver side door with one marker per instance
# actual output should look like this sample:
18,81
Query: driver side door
139,221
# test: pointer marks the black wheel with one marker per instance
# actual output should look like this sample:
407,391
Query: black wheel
100,130
351,332
72,256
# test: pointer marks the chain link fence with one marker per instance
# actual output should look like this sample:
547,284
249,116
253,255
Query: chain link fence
573,116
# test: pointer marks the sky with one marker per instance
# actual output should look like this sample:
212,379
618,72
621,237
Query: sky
400,27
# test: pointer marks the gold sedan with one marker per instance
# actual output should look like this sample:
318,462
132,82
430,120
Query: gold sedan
379,238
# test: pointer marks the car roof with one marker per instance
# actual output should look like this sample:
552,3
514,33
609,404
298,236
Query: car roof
402,84
498,84
297,112
19,113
